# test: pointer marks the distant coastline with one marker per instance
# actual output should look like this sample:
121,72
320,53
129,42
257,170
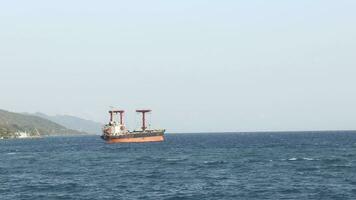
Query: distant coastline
16,125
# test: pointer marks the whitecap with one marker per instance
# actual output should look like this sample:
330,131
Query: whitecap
213,162
11,153
292,159
310,159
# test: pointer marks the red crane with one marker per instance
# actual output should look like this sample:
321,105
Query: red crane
112,112
143,118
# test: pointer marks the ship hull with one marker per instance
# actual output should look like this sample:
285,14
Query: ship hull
135,138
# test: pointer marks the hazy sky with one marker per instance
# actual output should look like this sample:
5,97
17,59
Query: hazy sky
222,65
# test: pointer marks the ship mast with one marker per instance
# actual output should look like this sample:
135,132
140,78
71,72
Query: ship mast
121,112
111,115
143,118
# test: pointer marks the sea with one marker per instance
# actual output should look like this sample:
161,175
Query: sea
294,165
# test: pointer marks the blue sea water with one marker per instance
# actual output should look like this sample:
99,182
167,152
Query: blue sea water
307,165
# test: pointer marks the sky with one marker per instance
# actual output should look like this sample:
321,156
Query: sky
201,66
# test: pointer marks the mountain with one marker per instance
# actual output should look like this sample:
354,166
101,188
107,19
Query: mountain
11,122
74,123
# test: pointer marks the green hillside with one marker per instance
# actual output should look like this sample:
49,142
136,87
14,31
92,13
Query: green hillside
13,122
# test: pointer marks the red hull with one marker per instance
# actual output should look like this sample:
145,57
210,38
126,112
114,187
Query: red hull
159,138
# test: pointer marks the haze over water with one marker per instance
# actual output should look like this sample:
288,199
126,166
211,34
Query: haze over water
185,166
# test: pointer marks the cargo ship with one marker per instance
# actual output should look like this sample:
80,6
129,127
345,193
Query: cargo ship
116,131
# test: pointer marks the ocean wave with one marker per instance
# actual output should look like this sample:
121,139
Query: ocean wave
213,162
310,159
176,159
331,160
305,158
343,166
